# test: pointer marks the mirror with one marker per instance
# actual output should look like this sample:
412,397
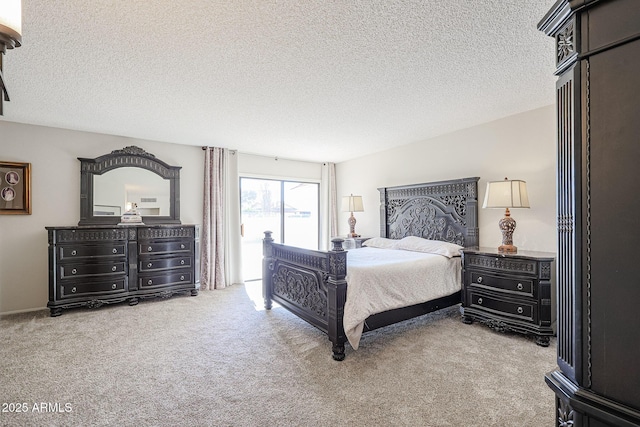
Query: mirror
114,183
117,191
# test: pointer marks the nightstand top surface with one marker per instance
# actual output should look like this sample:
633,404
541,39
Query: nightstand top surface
520,254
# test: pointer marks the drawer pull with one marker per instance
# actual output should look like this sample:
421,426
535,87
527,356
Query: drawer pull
150,265
182,246
149,249
74,252
115,251
74,271
150,282
181,277
480,279
480,301
520,310
114,268
114,286
520,287
73,290
181,262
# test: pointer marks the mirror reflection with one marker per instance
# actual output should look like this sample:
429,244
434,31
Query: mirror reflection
119,190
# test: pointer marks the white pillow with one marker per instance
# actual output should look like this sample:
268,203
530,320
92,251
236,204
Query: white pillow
418,244
380,242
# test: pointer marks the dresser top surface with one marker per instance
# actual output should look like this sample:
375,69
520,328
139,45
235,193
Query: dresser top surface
106,227
520,254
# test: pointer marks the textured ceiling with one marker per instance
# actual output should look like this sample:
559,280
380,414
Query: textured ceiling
321,80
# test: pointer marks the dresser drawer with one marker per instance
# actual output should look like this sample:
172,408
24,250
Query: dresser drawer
524,310
71,252
508,265
155,264
147,281
517,286
83,288
68,271
164,247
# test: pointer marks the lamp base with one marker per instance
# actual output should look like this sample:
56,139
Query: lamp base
352,226
507,225
507,249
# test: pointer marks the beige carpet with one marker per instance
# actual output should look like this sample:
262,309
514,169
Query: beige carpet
218,359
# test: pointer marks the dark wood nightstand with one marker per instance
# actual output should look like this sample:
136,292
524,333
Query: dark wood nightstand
510,292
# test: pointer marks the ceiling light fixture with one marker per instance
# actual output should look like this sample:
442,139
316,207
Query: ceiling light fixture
10,36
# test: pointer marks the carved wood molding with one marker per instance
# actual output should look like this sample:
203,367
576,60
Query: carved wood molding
565,43
300,287
91,235
502,264
166,233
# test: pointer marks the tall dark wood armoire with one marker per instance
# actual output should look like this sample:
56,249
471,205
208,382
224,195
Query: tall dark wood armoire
597,382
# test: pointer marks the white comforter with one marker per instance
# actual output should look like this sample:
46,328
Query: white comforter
383,279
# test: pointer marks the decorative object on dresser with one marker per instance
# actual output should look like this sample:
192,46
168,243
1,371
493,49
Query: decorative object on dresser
312,284
10,37
510,292
102,261
597,53
506,194
352,204
15,188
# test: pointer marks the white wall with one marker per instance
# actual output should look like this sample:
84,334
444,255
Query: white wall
519,147
55,199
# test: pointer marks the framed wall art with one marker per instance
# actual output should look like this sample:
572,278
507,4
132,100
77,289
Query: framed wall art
15,188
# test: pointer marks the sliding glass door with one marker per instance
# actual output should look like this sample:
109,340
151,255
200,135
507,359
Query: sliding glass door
289,209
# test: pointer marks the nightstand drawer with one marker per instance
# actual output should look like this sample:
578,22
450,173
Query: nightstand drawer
524,310
518,286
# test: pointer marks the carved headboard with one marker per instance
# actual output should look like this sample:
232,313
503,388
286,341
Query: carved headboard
444,210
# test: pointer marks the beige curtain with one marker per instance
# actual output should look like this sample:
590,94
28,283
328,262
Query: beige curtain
328,205
221,263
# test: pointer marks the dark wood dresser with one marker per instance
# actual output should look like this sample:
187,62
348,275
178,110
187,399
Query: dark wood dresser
92,266
510,292
597,52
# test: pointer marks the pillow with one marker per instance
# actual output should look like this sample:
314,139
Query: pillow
381,243
418,244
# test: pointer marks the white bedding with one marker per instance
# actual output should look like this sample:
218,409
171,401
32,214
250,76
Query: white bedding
384,279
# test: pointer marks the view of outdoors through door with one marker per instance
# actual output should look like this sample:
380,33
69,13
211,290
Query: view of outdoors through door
289,209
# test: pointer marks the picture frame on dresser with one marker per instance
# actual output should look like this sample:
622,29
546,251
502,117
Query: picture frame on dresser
15,188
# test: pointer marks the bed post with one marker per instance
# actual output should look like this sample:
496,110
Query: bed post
267,265
336,296
383,212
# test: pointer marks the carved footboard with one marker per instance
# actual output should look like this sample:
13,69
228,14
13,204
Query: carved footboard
311,284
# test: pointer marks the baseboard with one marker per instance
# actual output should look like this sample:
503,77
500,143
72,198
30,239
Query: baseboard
27,310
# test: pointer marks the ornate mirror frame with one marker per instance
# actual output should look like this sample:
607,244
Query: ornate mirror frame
127,157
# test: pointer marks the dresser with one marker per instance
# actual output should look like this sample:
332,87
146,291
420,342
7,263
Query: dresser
97,265
510,292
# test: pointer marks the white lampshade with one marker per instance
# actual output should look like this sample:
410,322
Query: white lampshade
506,194
10,23
352,204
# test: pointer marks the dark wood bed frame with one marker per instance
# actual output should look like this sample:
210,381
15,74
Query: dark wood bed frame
311,284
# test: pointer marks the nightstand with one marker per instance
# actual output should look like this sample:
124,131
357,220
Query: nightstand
353,242
510,292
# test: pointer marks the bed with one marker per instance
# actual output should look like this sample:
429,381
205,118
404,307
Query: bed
313,284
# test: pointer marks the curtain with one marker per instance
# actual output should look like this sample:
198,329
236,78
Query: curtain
328,205
221,261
